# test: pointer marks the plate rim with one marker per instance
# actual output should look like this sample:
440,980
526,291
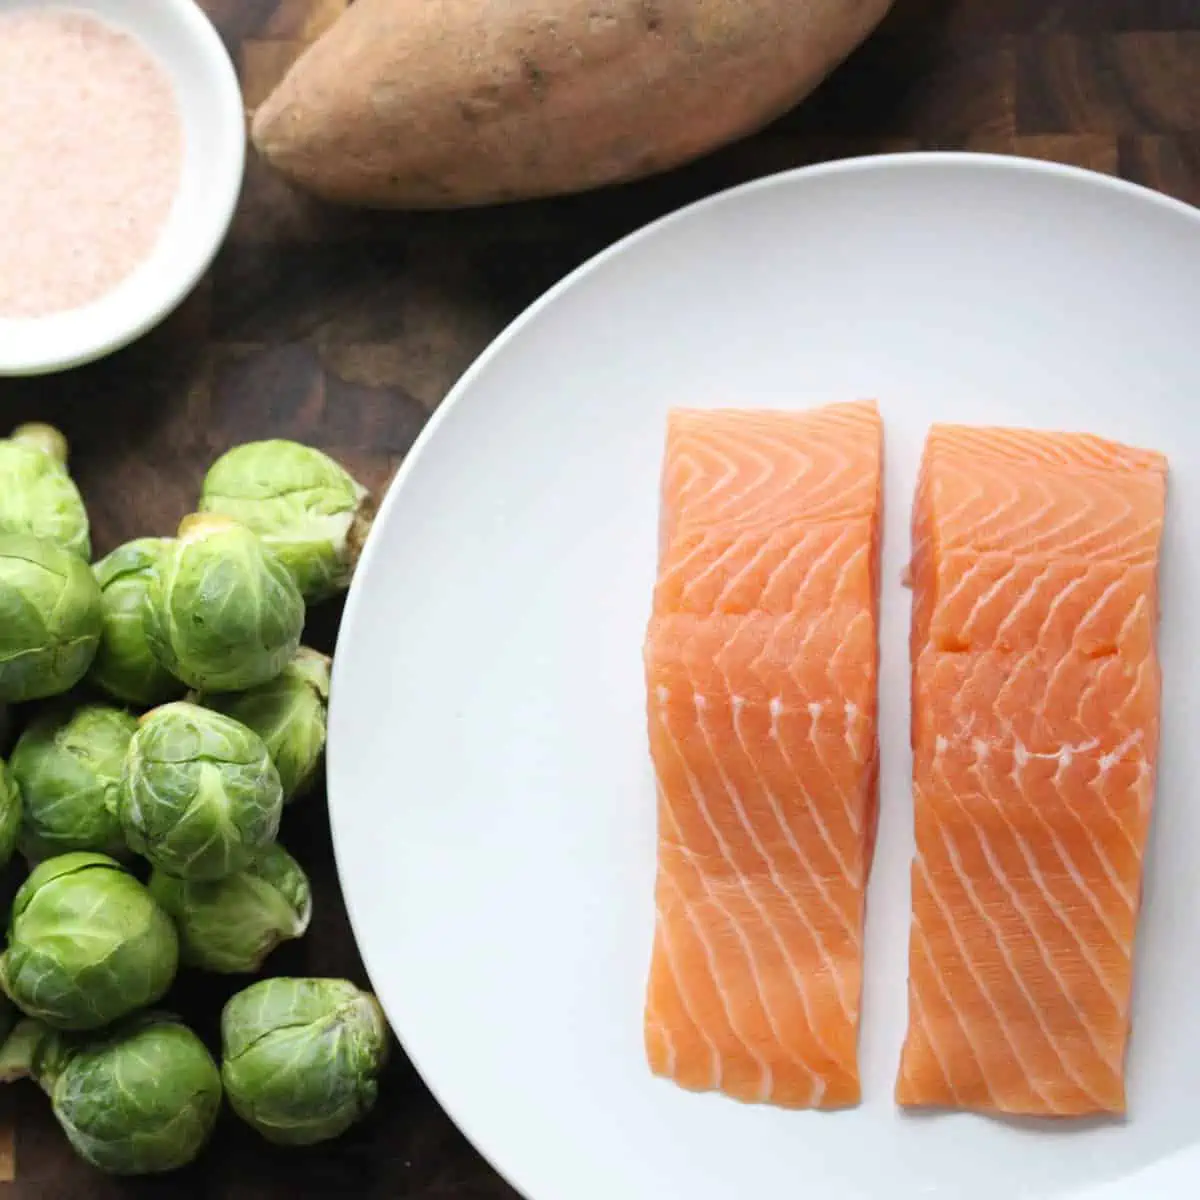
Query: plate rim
858,164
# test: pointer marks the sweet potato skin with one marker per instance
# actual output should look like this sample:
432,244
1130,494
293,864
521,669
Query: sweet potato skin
455,103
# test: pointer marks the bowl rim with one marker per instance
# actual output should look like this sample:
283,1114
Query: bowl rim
79,339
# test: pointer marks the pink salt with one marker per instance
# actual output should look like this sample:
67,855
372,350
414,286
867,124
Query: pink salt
91,154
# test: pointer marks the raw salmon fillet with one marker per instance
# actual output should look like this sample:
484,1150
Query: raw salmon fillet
761,659
1035,702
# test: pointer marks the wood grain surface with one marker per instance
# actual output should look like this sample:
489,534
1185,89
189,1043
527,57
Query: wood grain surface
346,329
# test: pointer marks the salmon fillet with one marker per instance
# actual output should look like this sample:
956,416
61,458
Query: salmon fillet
1035,708
761,659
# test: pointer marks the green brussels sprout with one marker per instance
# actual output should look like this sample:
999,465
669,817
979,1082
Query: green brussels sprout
199,794
230,925
137,1099
10,813
87,943
50,618
39,498
304,505
68,766
124,666
221,611
302,1057
289,713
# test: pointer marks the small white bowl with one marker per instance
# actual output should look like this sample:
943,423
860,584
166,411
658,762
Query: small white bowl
183,40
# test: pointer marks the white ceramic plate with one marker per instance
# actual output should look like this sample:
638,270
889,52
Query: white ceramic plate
491,792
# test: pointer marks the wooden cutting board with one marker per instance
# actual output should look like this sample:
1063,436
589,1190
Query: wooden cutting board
347,329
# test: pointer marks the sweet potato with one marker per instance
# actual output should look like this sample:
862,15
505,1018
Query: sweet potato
452,103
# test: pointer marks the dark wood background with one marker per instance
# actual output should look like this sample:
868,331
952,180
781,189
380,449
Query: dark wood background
346,330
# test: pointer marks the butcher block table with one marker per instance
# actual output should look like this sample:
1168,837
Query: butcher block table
346,329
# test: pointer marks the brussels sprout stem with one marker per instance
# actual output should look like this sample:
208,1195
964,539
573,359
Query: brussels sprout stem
382,1031
303,918
313,667
196,527
21,1050
360,526
42,437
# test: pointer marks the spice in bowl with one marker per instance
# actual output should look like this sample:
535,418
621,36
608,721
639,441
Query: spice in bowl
92,150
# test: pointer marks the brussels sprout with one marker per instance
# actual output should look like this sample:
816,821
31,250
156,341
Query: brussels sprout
10,813
49,618
199,794
68,767
138,1099
123,666
301,503
87,943
230,925
39,497
221,611
288,713
302,1057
